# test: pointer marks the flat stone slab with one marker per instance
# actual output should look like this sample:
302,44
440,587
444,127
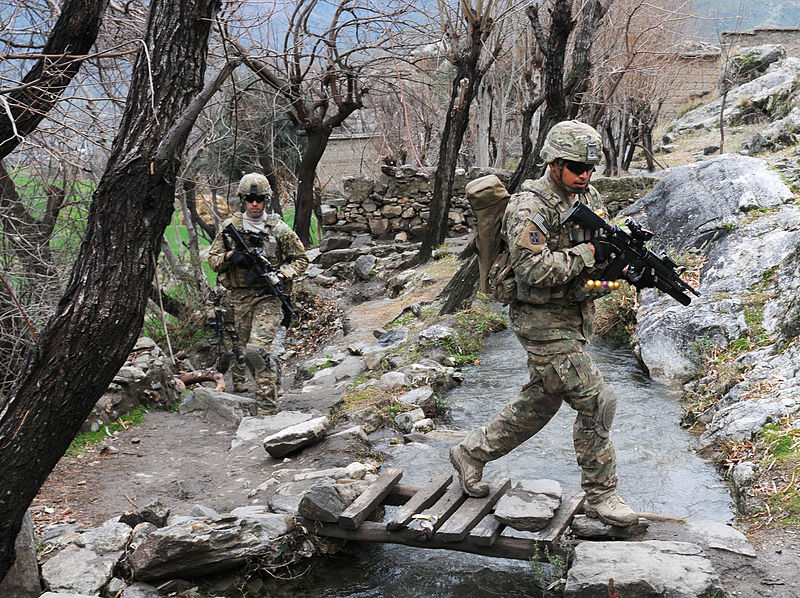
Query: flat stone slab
713,534
530,505
650,569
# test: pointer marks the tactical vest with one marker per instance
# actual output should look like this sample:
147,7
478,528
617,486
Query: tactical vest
234,277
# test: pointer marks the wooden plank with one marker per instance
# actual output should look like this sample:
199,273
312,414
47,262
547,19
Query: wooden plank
426,496
486,532
562,517
370,531
471,512
361,507
423,525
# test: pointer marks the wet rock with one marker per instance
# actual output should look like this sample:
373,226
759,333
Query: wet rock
423,426
326,500
296,437
529,505
406,420
423,397
428,372
650,569
594,529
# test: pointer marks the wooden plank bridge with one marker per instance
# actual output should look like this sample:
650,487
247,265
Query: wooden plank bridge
439,515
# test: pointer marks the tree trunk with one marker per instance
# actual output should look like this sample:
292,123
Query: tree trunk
465,85
100,314
306,175
461,289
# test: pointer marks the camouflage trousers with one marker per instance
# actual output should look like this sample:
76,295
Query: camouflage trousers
257,320
568,375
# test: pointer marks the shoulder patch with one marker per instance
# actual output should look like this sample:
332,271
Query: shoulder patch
534,237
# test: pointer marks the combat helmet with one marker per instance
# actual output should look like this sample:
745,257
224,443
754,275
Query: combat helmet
254,184
572,140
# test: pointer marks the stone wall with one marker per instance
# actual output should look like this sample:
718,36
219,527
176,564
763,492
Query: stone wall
788,37
693,79
396,205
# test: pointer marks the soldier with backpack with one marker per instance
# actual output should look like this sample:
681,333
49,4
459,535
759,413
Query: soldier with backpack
548,275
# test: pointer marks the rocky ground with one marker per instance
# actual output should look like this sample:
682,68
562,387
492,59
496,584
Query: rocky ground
185,460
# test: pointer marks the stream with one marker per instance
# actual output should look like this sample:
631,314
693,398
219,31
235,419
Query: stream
657,470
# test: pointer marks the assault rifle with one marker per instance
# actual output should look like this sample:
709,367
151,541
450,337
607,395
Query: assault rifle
644,268
217,323
261,270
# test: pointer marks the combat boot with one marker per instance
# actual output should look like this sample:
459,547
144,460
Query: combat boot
469,472
612,511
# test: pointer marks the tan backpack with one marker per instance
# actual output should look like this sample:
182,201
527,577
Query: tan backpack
488,198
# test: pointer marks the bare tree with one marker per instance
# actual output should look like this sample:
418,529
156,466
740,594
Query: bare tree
100,313
472,50
564,84
323,74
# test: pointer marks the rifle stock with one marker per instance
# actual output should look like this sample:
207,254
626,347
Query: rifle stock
644,268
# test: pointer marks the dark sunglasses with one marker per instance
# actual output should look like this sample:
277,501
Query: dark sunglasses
578,168
255,198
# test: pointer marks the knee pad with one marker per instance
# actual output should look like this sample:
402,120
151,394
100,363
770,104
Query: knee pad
604,417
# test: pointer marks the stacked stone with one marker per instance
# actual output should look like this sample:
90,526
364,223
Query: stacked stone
397,205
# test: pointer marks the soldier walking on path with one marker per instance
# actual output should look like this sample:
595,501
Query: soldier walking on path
256,312
552,315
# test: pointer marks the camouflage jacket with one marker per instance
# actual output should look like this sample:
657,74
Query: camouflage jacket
279,244
550,270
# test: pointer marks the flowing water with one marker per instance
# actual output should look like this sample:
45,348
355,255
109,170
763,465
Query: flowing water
657,470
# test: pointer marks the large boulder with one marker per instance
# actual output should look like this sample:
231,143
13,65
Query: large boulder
749,64
739,213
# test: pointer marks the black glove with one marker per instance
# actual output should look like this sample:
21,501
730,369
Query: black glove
602,249
240,259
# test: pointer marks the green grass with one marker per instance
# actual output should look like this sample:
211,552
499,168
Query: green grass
82,442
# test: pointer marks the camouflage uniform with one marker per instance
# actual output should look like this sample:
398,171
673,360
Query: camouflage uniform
257,317
553,318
